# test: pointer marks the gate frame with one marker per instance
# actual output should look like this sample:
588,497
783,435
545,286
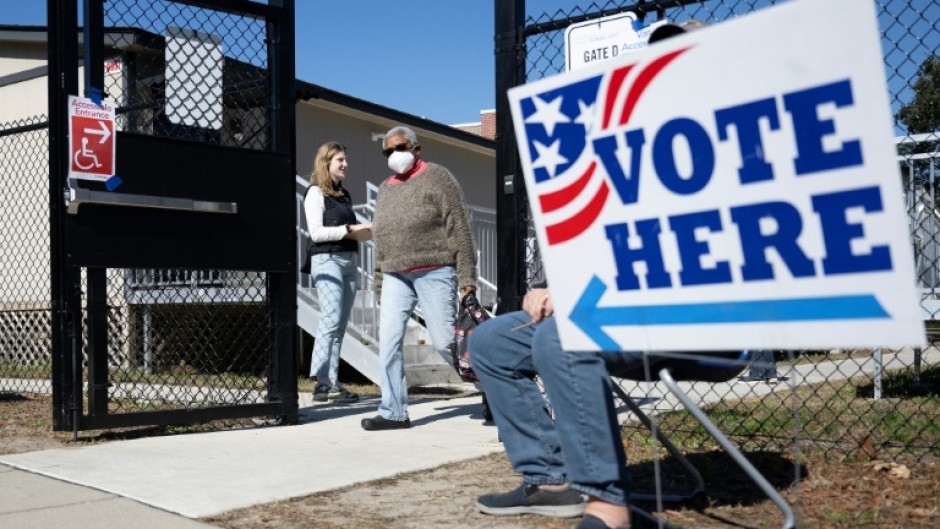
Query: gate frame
66,289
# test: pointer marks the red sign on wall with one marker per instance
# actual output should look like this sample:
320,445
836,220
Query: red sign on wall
91,133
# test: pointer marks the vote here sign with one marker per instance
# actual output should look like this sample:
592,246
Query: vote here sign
732,187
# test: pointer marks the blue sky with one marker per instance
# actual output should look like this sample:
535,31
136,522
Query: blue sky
431,58
434,58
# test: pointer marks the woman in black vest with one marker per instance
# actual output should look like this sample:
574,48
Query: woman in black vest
334,255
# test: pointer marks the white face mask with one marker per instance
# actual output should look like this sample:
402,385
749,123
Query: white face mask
401,161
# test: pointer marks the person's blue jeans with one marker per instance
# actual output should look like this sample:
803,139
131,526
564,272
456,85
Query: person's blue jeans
334,276
582,445
435,291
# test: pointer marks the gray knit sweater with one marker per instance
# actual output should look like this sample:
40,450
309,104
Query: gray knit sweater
423,221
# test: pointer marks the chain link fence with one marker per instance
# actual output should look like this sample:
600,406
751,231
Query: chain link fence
25,292
883,403
181,338
185,72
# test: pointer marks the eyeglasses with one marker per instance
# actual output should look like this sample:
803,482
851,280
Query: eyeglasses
337,145
401,147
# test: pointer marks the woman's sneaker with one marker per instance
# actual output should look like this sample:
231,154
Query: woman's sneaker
530,499
339,395
321,392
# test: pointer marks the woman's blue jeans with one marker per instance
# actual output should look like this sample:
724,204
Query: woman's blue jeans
582,445
435,291
335,280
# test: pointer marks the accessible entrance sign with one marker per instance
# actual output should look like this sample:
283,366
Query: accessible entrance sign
92,139
719,190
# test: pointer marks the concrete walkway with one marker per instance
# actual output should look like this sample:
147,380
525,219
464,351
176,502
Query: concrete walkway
165,481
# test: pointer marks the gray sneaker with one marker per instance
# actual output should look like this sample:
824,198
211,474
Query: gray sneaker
530,499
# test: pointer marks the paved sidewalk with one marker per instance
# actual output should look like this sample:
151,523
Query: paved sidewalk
165,481
31,501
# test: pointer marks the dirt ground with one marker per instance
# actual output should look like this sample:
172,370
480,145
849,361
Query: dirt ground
829,494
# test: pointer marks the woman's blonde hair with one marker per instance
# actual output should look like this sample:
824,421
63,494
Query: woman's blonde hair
320,176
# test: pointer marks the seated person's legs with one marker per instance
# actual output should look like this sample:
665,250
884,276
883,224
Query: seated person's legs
579,390
502,359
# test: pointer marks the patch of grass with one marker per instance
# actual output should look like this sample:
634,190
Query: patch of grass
839,517
830,417
906,384
18,370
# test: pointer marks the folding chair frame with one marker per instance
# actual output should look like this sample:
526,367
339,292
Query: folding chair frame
666,378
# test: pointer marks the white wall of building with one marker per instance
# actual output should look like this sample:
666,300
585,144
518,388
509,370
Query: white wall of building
24,99
20,56
319,122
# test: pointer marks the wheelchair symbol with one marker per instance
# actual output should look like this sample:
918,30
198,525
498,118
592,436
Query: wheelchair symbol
88,156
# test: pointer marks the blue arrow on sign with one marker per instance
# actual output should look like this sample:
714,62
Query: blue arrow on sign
590,317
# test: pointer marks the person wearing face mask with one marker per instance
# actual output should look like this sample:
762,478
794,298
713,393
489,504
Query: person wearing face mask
334,254
424,250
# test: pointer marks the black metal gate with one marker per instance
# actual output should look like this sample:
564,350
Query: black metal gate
173,281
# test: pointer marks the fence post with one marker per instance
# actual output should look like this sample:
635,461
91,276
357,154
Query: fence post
510,187
62,36
879,368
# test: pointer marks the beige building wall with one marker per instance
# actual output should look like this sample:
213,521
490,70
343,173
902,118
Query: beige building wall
29,97
319,122
20,56
22,100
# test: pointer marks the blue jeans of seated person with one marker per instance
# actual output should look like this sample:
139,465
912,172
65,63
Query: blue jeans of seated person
582,446
334,276
435,291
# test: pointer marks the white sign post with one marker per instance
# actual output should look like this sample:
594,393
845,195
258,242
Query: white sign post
92,139
718,190
594,41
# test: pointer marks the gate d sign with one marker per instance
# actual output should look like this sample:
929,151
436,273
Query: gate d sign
588,43
92,139
733,187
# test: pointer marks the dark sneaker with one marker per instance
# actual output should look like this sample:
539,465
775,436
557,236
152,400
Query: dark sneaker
381,423
339,395
487,414
530,499
321,392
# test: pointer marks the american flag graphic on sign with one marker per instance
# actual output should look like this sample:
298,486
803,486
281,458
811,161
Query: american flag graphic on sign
560,122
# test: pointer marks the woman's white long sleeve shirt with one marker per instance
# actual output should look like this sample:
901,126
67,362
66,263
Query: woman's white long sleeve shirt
313,208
